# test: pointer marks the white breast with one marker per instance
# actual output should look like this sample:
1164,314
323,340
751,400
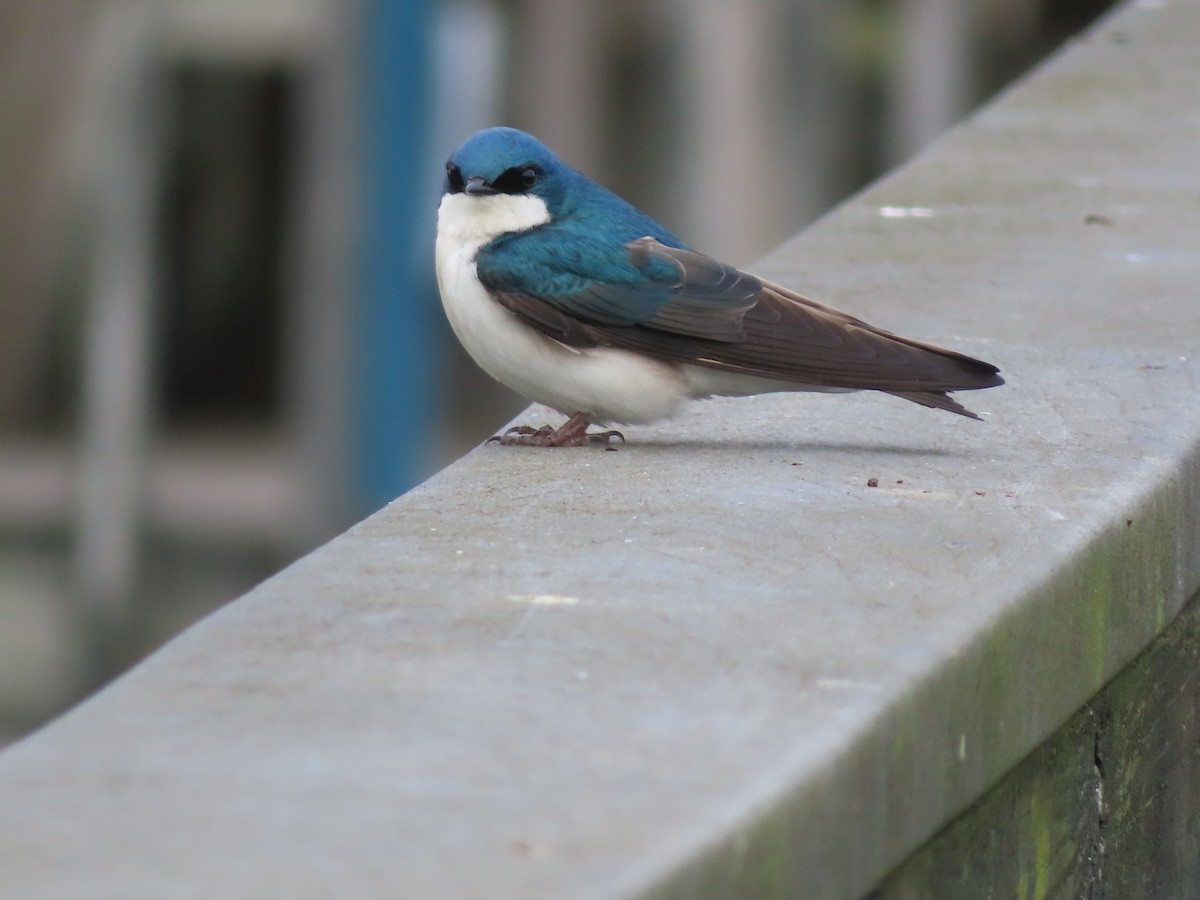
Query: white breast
609,385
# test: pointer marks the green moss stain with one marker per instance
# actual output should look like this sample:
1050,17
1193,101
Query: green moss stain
756,862
906,734
1003,665
1097,596
1151,548
1034,879
768,869
1041,849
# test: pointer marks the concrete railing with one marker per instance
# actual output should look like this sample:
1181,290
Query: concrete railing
717,663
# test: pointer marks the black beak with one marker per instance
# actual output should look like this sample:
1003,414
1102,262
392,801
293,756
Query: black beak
476,186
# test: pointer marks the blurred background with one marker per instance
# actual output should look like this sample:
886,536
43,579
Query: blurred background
220,338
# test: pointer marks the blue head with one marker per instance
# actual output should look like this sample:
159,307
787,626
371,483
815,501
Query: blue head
508,161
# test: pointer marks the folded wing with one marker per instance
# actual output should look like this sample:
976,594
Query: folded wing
709,314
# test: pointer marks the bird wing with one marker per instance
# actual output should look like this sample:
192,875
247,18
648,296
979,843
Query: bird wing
610,283
678,305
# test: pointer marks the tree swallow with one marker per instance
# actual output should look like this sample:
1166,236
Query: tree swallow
572,297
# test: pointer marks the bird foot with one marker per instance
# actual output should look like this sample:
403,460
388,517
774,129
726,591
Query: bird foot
573,434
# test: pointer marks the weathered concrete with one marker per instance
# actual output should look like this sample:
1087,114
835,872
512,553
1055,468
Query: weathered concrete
1109,807
715,663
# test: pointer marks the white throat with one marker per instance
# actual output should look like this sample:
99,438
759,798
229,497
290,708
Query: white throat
467,223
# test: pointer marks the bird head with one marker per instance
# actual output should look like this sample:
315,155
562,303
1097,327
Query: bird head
509,162
504,181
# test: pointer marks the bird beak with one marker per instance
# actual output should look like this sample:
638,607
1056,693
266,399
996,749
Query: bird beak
476,186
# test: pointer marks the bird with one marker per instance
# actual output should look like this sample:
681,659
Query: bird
574,298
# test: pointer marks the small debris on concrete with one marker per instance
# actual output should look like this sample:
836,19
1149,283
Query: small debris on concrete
529,848
872,482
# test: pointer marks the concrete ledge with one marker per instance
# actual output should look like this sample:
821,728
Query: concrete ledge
1108,807
716,663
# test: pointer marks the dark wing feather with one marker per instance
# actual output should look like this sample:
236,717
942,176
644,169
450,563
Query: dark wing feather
679,292
720,317
708,299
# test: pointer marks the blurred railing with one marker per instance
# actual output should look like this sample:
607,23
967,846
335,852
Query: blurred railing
771,648
208,364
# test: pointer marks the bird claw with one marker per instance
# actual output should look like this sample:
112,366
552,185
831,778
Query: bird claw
523,436
513,435
605,437
573,434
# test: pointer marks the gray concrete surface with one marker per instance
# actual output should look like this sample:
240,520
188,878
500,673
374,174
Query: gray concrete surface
715,663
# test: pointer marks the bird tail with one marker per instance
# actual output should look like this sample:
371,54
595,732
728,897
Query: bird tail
936,400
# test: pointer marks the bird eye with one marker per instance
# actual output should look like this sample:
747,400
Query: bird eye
454,179
517,180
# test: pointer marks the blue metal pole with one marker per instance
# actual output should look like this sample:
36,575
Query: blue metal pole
396,333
